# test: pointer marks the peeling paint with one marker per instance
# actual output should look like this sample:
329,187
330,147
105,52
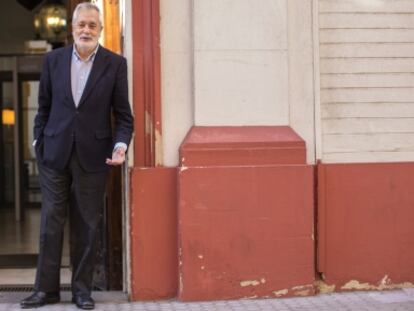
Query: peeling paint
384,283
202,267
250,297
281,292
249,283
305,292
183,168
158,148
262,280
324,288
181,283
200,256
299,287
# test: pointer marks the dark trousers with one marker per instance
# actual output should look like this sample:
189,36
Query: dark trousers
83,193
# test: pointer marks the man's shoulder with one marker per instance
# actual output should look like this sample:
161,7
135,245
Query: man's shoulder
59,51
110,54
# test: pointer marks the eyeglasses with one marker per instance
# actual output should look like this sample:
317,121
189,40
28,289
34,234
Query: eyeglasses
83,25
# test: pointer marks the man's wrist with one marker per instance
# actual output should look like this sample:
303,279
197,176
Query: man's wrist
123,146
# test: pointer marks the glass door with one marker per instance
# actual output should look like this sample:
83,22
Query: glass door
19,186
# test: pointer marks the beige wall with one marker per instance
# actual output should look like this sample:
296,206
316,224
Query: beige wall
367,80
176,75
236,62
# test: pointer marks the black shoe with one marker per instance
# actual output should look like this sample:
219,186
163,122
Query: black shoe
85,303
39,299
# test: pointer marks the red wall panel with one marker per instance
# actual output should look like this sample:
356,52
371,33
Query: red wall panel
154,246
366,225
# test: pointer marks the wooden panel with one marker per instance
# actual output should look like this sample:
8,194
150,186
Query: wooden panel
366,20
366,35
367,110
395,6
367,65
368,142
368,125
367,80
368,95
364,157
112,26
367,49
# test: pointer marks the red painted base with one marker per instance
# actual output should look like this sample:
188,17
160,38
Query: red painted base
366,225
154,256
245,214
246,232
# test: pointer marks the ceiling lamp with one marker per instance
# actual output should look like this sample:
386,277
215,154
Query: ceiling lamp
51,22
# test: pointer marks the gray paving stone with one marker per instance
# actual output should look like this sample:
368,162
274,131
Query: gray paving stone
396,300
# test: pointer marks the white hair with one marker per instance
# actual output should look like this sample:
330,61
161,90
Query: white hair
86,6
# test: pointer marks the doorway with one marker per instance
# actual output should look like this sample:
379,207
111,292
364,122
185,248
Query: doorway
20,196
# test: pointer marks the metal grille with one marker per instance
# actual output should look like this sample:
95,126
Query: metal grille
26,288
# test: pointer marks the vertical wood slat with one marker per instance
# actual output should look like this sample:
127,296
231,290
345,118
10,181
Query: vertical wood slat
112,26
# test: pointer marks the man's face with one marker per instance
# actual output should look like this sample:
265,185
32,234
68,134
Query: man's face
86,29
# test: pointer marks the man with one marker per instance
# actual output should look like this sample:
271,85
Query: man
80,87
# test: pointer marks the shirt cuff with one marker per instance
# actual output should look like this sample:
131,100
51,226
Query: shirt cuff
121,145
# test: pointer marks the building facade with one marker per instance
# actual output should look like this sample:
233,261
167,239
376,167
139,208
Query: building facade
273,153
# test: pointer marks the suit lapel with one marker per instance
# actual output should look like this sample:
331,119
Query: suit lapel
99,66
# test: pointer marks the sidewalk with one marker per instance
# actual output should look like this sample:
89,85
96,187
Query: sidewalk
393,300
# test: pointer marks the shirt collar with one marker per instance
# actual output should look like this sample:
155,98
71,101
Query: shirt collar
91,57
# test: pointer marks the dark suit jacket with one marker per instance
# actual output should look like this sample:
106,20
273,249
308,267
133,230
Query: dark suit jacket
59,122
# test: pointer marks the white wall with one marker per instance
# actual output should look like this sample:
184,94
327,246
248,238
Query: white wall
367,80
236,62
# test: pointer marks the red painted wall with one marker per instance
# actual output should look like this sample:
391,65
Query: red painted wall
154,246
244,230
366,225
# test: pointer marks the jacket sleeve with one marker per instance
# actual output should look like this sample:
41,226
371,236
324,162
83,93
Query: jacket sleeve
124,121
44,100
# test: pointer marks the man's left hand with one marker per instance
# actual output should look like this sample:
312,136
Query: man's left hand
118,157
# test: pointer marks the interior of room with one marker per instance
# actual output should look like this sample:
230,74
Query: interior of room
27,30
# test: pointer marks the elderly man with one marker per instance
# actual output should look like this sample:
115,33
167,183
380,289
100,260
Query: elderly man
80,87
